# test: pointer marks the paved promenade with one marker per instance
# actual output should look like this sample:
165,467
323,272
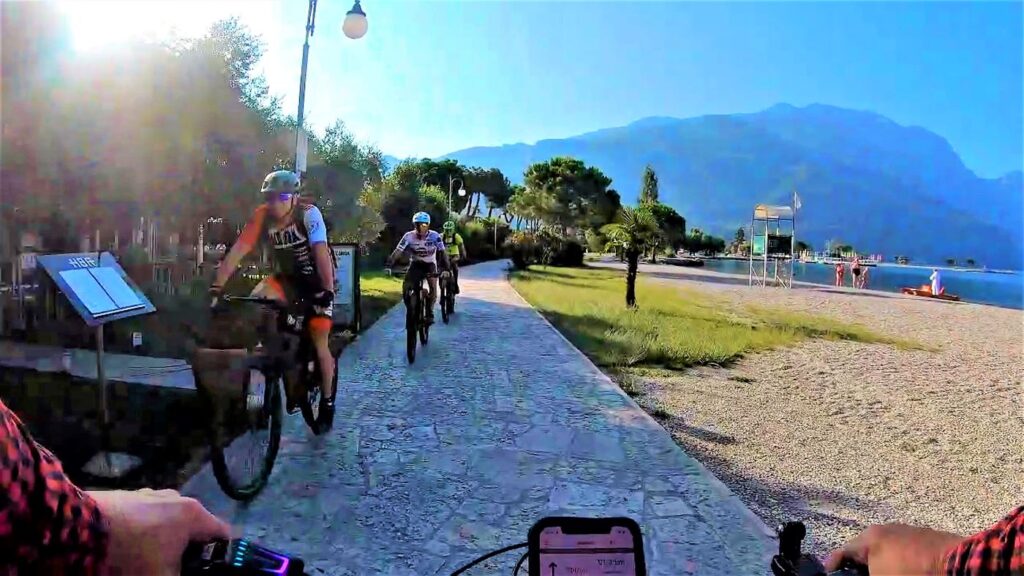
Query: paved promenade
499,422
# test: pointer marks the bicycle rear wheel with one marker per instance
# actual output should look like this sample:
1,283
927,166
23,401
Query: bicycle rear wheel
245,439
311,398
445,294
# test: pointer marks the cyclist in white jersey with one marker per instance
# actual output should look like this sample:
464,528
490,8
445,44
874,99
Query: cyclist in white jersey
424,247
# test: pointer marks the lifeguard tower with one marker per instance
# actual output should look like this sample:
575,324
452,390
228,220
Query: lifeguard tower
772,241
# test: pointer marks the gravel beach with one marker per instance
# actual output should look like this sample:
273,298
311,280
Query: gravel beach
843,434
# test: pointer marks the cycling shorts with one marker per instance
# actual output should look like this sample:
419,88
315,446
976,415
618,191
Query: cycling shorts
290,289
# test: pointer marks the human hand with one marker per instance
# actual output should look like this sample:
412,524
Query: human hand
387,271
446,274
896,549
150,529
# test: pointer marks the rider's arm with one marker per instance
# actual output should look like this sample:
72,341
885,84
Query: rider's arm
461,245
403,245
442,253
44,518
317,230
997,550
247,240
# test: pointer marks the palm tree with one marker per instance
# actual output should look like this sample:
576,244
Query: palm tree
634,232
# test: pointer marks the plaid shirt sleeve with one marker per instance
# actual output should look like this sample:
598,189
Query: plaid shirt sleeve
47,525
997,551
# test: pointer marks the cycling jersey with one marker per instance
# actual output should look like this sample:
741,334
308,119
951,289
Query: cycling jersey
453,242
419,249
292,242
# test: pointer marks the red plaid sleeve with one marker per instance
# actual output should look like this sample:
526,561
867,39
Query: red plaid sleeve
997,551
47,525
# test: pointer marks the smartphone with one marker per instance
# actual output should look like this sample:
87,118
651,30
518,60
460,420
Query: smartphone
568,546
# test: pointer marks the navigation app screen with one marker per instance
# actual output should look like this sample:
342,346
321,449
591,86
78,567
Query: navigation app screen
586,554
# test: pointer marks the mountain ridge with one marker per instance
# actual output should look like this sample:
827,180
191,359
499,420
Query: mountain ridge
862,177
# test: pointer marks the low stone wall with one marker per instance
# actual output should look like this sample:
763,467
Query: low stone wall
162,425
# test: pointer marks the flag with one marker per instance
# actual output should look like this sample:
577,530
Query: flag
796,201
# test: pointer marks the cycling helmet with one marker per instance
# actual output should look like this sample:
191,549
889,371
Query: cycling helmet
449,226
421,218
281,181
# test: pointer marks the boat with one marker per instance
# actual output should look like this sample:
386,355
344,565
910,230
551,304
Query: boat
685,261
926,292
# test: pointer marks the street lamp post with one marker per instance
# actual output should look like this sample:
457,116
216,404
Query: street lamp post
462,190
354,27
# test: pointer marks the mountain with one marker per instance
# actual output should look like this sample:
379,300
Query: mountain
862,179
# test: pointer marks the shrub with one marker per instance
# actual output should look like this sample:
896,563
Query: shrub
545,247
523,248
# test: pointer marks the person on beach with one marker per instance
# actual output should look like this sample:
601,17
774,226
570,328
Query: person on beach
855,267
936,279
840,272
864,277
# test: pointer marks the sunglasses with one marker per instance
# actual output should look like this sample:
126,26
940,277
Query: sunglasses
272,197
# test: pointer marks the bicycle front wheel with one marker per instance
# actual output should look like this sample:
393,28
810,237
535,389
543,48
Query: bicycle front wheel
246,439
411,326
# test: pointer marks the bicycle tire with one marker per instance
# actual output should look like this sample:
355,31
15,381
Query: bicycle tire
411,327
310,391
445,290
424,325
246,490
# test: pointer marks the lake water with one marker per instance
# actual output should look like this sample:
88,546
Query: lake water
1005,290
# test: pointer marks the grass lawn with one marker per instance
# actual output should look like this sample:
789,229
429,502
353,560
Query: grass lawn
672,328
378,293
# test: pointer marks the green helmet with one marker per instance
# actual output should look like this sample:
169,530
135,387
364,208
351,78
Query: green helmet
449,226
281,181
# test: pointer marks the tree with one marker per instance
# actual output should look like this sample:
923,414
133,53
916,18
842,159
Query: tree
565,192
671,228
950,261
741,236
802,246
634,231
490,184
649,188
971,263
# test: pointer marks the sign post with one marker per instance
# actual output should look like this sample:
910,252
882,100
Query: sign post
346,279
100,291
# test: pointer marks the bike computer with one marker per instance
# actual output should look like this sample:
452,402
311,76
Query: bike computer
564,546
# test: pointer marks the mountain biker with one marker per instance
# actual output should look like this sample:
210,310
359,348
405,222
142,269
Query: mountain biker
456,250
50,526
304,267
424,247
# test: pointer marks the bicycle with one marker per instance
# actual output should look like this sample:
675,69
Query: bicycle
286,356
447,288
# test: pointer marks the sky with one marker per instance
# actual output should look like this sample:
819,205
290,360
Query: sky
433,77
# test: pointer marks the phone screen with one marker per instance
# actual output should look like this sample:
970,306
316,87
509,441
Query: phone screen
609,554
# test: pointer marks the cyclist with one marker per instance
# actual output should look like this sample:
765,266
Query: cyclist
456,250
304,267
424,246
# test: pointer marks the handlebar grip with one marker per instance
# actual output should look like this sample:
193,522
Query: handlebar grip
237,556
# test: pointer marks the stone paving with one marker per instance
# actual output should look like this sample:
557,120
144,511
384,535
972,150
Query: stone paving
498,423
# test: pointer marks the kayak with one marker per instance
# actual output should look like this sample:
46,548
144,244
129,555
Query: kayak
928,294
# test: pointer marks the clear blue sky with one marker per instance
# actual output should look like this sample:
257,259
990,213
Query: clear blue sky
433,77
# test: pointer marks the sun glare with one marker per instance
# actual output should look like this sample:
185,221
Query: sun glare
100,23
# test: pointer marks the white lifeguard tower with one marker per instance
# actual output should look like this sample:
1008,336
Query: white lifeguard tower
772,241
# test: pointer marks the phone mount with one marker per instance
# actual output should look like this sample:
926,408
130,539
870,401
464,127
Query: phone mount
790,561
